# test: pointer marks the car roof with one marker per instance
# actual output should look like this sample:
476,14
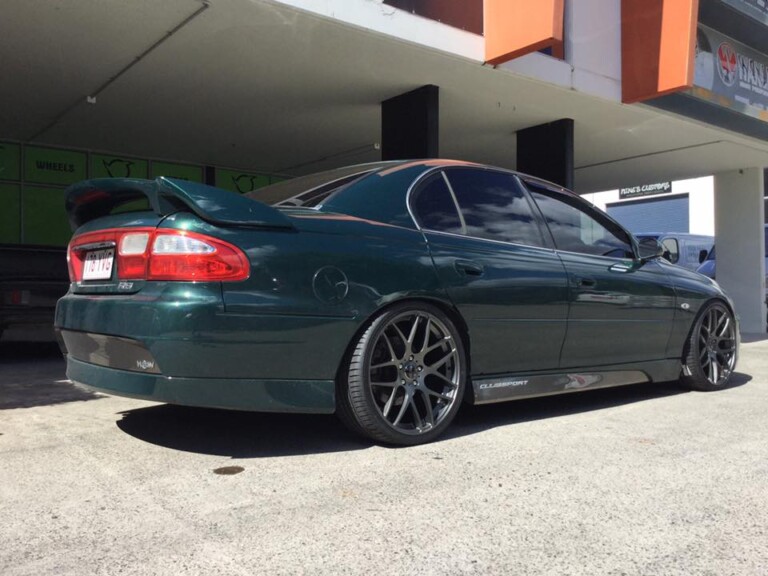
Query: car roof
309,182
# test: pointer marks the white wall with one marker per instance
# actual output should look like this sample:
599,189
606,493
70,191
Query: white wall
740,246
379,17
592,63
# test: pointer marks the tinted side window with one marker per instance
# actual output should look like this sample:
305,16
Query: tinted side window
576,228
494,206
434,207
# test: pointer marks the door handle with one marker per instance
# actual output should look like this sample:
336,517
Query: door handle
468,268
584,282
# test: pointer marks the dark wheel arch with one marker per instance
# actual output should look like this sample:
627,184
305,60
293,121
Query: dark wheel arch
445,306
712,341
357,393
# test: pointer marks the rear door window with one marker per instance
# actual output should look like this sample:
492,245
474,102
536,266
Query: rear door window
494,206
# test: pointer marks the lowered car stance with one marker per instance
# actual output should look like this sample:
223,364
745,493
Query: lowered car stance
389,293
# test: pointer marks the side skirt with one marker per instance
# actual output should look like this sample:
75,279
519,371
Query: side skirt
488,390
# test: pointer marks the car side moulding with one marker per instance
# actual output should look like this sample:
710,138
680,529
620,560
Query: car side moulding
489,390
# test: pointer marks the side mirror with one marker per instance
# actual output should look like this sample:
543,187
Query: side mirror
649,248
702,255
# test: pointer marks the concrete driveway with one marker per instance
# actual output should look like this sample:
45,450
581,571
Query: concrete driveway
641,480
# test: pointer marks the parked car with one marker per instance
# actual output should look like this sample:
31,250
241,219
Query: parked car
707,266
32,279
389,293
683,249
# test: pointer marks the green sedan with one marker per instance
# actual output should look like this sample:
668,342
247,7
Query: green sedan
389,293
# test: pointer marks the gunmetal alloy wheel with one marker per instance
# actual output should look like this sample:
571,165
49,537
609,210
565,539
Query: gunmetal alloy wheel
711,349
406,376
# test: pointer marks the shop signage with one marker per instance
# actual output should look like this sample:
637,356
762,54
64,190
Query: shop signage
241,182
180,171
757,9
103,166
730,74
9,161
645,190
53,166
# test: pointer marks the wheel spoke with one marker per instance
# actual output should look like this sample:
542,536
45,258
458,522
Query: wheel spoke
443,360
714,370
392,384
449,381
383,364
427,330
403,409
412,335
418,421
389,404
403,338
437,344
392,354
430,410
724,322
443,397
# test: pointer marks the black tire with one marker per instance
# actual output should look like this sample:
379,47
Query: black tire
404,379
709,356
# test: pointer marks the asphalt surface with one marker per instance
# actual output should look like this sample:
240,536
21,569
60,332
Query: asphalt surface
642,480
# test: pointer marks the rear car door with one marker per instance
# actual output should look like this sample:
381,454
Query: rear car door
491,255
621,310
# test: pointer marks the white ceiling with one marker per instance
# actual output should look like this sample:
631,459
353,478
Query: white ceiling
255,85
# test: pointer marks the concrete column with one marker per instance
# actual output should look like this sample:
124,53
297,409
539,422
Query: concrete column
739,237
410,125
546,151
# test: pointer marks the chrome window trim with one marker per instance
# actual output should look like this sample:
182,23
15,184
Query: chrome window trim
421,177
441,169
455,202
503,242
522,181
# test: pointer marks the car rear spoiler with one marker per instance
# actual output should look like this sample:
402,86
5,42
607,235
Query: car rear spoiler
91,199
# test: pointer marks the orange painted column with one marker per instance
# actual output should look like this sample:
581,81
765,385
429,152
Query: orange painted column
658,40
513,28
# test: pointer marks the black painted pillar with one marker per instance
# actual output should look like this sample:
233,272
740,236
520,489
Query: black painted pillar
409,124
546,151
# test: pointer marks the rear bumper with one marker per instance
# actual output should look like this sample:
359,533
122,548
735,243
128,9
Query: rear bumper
299,396
184,329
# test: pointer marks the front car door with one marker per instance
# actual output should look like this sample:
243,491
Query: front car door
621,309
492,255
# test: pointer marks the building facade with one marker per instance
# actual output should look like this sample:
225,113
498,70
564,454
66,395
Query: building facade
593,94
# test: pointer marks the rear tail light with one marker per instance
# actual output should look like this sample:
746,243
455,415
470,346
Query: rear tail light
132,255
150,254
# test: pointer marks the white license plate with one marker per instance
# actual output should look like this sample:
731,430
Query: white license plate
98,264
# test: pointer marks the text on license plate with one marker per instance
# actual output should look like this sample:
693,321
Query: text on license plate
98,264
